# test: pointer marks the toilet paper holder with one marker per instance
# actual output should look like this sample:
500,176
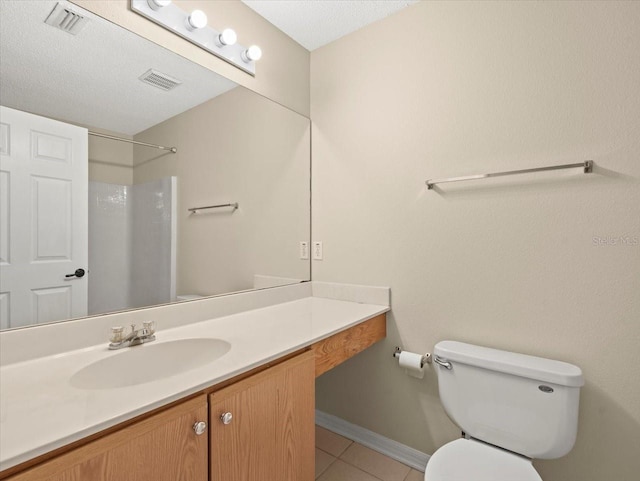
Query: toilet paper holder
426,358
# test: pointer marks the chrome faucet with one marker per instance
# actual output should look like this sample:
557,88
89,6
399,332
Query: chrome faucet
134,338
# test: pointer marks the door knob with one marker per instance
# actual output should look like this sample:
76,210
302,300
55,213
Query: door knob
226,418
200,427
78,273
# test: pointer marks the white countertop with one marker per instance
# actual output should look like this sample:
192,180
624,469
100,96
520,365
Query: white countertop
40,410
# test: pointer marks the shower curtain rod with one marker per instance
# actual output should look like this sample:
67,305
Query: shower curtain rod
173,150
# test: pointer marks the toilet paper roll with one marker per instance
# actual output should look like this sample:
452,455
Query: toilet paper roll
412,363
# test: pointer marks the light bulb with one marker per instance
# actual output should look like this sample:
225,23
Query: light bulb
197,19
158,4
227,37
252,53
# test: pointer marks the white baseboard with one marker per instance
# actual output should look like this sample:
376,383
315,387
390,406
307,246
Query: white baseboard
398,451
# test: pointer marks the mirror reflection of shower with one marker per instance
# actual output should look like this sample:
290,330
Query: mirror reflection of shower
132,245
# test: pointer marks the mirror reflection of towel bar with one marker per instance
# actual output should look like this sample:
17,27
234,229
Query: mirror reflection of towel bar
194,210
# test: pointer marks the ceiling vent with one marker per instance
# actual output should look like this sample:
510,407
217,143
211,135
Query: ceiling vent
159,80
66,19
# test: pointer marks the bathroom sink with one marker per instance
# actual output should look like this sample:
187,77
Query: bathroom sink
149,362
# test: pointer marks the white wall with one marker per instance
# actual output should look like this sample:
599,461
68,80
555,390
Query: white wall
453,88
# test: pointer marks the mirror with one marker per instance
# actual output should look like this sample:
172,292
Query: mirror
90,224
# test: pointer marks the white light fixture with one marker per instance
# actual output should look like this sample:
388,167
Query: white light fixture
253,53
158,4
193,28
227,37
197,20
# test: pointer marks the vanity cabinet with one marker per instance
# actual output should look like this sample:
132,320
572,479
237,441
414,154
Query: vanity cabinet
162,447
262,428
270,436
268,432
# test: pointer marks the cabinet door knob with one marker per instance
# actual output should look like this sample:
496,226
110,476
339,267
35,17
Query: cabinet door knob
200,427
226,418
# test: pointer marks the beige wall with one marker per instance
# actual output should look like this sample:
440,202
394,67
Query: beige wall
238,147
281,75
110,161
453,88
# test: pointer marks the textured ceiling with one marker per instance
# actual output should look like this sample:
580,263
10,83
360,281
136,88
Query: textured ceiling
314,23
92,78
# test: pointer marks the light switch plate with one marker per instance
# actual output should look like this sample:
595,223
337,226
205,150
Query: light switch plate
317,250
304,250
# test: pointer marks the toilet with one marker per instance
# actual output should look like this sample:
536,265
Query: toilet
512,408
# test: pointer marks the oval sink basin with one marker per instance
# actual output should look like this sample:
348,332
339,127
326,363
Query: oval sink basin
149,362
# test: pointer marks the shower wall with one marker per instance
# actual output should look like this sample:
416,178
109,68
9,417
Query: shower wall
109,247
131,245
153,243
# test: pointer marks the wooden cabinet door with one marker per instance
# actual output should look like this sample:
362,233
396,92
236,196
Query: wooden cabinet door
163,447
271,435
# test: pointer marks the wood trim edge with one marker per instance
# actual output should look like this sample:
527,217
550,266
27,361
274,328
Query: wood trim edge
335,350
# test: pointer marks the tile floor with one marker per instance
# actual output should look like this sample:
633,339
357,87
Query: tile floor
340,459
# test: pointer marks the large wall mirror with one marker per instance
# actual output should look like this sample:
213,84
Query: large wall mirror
91,223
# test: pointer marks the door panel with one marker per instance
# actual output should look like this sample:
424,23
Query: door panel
4,310
51,303
51,234
4,139
47,147
5,183
43,216
271,434
162,447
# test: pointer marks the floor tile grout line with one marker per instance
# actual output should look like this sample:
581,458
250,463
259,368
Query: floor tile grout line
327,452
350,442
360,469
371,474
367,472
357,469
328,465
409,474
345,450
339,455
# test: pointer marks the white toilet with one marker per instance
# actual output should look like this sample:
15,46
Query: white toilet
512,408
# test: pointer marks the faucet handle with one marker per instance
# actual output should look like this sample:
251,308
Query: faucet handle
116,333
149,326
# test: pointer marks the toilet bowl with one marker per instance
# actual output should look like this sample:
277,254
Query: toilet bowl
468,459
513,408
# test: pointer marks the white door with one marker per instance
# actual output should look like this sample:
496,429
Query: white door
43,219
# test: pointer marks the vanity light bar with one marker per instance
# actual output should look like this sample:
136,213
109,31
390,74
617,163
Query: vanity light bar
193,27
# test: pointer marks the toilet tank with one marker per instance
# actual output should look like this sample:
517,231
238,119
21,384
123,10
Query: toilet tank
526,404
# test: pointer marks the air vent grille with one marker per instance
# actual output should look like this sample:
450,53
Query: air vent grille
66,20
159,80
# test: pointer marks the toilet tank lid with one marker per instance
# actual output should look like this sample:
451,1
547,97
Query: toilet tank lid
531,367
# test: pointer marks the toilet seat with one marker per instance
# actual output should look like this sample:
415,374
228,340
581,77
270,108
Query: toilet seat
471,460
